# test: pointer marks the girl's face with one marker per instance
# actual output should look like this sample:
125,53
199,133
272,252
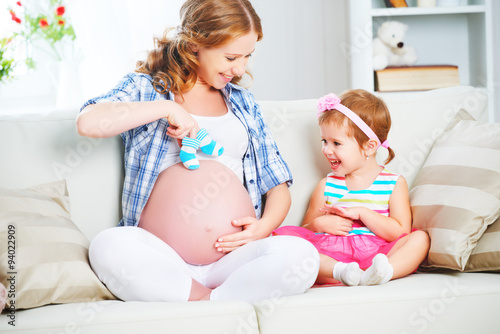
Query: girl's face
218,66
342,151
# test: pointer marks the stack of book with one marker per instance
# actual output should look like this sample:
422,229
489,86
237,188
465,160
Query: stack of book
395,3
419,77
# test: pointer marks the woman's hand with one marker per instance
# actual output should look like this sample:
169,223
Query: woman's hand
278,202
252,230
181,123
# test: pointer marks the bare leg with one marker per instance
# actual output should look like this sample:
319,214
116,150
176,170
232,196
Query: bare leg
408,253
326,265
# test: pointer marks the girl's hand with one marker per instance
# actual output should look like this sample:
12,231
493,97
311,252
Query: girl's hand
349,213
252,230
331,224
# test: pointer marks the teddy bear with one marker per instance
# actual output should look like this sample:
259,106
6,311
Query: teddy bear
389,48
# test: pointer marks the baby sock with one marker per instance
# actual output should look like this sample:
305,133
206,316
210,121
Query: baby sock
380,272
347,273
188,152
208,145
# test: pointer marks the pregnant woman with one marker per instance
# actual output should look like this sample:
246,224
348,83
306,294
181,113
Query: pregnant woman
201,234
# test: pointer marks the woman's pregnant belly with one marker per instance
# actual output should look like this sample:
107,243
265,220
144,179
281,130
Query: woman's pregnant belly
191,209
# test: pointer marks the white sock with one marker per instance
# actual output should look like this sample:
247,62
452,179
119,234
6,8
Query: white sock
347,273
380,272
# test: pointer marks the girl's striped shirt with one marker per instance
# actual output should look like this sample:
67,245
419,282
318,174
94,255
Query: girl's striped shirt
375,197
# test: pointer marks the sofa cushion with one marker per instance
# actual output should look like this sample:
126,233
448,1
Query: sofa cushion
44,260
420,303
457,192
132,317
486,255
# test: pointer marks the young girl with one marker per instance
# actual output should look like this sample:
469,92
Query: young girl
200,234
359,216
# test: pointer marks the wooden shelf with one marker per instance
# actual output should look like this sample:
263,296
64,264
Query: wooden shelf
410,11
460,35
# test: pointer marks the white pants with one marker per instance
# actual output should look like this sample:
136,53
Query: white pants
136,265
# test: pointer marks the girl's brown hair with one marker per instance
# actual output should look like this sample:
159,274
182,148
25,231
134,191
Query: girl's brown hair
372,110
205,23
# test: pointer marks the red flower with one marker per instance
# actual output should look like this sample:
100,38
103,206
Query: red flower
60,10
43,23
14,17
61,22
18,3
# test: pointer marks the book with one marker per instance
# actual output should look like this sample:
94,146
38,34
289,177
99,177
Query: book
395,3
418,77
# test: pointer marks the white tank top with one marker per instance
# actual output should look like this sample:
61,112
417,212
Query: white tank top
228,131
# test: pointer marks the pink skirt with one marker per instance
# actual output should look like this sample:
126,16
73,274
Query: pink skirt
354,248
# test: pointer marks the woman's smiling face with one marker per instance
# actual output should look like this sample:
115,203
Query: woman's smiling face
218,66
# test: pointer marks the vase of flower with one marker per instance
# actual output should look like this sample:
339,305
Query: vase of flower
45,26
6,60
47,21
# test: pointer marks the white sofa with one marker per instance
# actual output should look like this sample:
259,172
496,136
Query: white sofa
41,148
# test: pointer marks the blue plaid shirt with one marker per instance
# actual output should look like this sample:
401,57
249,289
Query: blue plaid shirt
147,145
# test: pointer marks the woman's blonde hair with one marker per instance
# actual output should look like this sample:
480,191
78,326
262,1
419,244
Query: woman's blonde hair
372,110
204,23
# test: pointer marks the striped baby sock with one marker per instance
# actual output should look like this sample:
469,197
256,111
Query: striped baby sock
208,145
380,272
188,153
347,273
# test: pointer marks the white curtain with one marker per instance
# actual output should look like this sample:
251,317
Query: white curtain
114,34
299,57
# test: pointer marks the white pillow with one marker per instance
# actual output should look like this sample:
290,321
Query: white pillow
44,256
456,194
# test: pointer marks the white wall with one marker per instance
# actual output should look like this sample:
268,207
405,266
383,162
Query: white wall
300,55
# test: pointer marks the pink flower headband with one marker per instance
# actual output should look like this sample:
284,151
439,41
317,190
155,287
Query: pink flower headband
331,101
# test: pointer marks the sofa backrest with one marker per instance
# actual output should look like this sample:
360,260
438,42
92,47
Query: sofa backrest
40,148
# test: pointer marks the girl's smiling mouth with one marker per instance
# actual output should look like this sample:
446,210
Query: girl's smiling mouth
334,163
